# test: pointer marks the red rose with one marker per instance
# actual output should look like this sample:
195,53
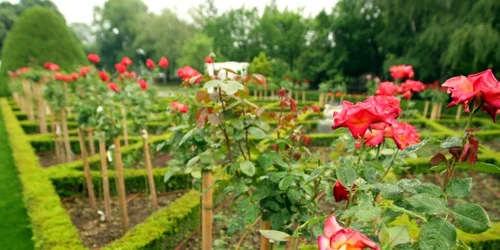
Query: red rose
120,68
209,60
150,64
74,76
401,71
62,77
187,73
131,74
409,87
483,86
84,71
94,58
143,84
386,88
340,192
126,61
183,108
404,135
113,86
337,237
163,63
51,66
104,76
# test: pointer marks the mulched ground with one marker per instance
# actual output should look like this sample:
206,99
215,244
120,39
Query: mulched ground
96,233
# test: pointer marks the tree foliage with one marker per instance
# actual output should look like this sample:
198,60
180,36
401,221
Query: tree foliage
260,65
40,35
195,50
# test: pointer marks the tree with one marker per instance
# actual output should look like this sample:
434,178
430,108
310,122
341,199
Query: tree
10,12
234,34
282,34
260,65
39,35
118,24
203,13
195,50
163,35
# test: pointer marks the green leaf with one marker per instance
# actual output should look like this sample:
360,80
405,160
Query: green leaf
277,176
459,188
257,132
212,84
390,191
451,142
479,166
409,185
187,136
370,173
429,188
437,234
196,174
285,182
206,158
394,236
315,174
251,213
294,195
414,148
237,124
247,168
231,87
275,235
192,161
262,192
426,203
266,160
346,175
471,218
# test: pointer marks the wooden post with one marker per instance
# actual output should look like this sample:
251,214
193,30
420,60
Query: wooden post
341,97
57,142
255,93
321,100
149,168
90,138
206,211
105,180
42,120
28,100
426,108
303,96
121,184
264,242
440,108
261,94
296,95
272,94
67,145
433,112
125,129
86,169
459,113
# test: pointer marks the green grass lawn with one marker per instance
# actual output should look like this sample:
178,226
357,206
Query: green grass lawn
15,231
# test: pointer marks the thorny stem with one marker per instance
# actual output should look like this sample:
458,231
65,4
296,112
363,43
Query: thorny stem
223,129
390,165
450,169
279,118
361,149
246,133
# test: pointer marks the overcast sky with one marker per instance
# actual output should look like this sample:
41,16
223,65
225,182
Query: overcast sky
81,10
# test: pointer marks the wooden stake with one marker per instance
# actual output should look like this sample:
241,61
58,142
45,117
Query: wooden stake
28,100
125,129
255,93
90,138
105,180
272,94
426,108
121,184
321,100
57,144
459,113
303,96
296,95
341,97
67,145
206,211
264,242
261,94
42,120
86,169
440,108
433,112
149,168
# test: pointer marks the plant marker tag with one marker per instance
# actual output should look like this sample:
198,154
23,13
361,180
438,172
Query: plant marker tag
110,156
103,217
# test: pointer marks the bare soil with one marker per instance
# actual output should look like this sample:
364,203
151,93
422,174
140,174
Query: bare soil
97,233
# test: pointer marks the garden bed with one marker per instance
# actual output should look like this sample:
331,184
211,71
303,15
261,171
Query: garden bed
96,233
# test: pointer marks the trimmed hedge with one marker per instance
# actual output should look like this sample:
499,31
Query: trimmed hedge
52,227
